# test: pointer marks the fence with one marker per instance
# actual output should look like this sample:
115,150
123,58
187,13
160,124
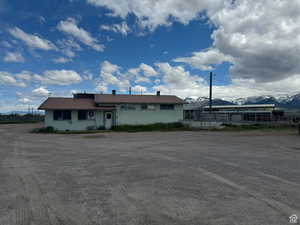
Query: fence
21,118
239,117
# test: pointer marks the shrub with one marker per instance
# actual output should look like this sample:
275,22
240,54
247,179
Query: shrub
44,130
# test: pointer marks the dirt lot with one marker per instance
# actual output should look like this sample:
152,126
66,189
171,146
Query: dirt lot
184,178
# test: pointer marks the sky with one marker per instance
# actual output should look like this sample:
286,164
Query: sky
58,47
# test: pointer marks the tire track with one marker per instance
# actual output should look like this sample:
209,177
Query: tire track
33,205
279,206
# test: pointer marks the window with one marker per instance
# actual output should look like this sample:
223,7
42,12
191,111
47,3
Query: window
108,116
127,107
167,107
147,107
62,115
86,115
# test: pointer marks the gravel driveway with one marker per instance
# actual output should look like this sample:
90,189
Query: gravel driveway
157,178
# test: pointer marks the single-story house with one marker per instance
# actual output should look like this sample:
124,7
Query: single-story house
94,111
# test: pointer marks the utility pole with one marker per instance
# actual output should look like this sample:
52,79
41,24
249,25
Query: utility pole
210,92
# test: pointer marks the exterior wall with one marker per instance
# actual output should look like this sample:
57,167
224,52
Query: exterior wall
139,116
120,117
73,124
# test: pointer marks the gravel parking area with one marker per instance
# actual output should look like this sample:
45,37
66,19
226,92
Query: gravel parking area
151,178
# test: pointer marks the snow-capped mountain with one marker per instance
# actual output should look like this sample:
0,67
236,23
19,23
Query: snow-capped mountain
285,101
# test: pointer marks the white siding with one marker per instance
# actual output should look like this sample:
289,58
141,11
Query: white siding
139,116
73,124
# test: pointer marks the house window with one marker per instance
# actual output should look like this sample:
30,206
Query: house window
86,115
62,115
167,107
147,107
127,107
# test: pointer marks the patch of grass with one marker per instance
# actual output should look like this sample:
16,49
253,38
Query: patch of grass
151,127
51,130
261,127
19,121
96,136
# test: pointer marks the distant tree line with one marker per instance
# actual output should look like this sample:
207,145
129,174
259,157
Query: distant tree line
18,118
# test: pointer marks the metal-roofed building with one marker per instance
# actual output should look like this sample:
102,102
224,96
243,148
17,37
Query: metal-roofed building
234,113
92,111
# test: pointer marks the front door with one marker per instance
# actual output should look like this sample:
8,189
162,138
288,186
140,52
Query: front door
108,120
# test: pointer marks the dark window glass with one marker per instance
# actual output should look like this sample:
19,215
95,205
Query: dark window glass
108,116
144,107
86,115
82,115
62,115
167,107
128,107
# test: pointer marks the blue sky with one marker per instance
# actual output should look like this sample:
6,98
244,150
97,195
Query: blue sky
54,48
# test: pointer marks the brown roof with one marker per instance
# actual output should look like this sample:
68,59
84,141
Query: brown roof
71,103
154,99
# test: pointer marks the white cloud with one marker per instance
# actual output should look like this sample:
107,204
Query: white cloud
24,100
152,14
110,75
69,47
176,80
59,77
139,89
32,41
13,57
25,75
41,92
61,60
147,70
87,75
70,27
9,79
117,28
6,44
205,60
262,37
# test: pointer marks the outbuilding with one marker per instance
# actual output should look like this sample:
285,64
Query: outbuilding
103,111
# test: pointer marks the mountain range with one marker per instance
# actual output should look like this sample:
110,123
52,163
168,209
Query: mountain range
283,101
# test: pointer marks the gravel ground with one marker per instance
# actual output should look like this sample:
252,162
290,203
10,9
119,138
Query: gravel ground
158,178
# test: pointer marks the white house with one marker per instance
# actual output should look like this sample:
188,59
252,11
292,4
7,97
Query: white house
92,111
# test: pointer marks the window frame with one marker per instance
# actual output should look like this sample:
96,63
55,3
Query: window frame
128,107
167,106
87,115
62,115
148,107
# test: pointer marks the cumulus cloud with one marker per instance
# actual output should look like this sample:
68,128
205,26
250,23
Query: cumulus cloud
177,80
9,79
31,40
205,60
70,27
117,28
69,47
41,92
110,75
262,37
152,14
25,75
59,77
24,100
13,57
139,89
